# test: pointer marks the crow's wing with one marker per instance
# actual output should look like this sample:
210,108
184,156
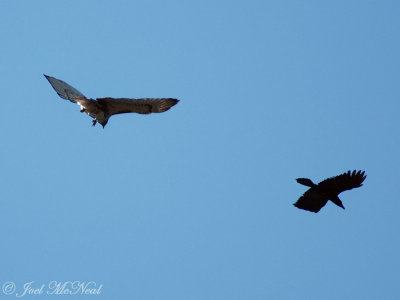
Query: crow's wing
141,106
305,181
343,182
63,89
311,200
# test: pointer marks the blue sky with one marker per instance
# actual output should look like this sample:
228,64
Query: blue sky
196,203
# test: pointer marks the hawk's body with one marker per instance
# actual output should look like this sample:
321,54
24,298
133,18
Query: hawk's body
318,195
101,109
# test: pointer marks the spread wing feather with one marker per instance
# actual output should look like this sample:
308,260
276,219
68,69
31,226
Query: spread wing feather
343,182
141,106
63,89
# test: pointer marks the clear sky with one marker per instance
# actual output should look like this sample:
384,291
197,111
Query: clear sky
196,203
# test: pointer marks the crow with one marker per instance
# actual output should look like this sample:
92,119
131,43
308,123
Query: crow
318,195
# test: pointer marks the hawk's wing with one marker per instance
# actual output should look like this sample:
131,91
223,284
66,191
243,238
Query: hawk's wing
63,89
141,106
311,200
343,182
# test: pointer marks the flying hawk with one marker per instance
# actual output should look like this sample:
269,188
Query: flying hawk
101,109
316,197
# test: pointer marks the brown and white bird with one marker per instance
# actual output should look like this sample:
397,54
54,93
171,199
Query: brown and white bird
318,195
101,109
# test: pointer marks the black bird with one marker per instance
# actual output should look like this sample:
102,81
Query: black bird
316,197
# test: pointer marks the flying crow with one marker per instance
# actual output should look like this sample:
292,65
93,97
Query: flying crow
316,197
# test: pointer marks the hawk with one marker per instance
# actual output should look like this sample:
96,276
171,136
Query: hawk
101,109
316,197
